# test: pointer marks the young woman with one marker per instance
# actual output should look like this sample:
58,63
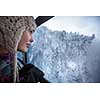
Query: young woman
15,34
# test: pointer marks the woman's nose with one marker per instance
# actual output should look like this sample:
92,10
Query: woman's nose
31,40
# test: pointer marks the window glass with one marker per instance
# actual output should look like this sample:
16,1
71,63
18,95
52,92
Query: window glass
67,49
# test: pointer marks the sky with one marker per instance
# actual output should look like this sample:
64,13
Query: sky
86,25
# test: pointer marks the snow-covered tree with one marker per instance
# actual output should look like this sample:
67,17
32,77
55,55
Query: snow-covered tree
61,55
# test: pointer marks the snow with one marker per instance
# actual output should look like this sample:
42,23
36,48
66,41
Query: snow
66,56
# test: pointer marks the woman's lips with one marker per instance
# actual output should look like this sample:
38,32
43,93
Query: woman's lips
27,45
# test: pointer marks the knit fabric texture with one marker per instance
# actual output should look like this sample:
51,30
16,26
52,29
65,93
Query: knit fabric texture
11,29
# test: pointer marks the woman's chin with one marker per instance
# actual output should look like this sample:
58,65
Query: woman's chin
23,49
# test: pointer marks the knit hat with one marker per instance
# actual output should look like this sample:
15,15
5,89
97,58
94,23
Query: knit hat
11,29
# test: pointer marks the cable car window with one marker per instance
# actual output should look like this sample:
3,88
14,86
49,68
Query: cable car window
67,49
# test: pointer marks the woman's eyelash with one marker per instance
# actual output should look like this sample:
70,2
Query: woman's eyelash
32,31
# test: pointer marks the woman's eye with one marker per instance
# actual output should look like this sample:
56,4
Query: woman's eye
31,31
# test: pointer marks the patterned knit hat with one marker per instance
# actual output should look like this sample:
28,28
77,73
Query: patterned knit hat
11,29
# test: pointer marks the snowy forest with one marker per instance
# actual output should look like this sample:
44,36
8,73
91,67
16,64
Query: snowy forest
65,57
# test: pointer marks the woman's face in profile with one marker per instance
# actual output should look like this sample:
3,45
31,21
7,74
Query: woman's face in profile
25,41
